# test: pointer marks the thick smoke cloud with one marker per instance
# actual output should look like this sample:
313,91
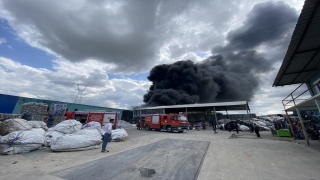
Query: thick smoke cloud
261,27
231,78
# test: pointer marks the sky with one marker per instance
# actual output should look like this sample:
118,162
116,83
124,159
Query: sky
52,49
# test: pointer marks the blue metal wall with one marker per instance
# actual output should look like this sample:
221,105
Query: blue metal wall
7,103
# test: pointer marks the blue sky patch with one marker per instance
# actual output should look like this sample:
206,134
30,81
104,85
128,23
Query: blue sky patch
140,76
202,55
20,51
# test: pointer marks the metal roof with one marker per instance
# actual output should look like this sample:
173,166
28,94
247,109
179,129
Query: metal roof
221,106
302,58
307,105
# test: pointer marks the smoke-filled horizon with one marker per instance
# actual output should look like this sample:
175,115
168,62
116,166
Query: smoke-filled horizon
232,77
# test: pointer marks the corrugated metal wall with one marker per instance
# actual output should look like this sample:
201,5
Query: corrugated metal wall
13,104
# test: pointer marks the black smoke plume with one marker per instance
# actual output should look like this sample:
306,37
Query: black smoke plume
215,79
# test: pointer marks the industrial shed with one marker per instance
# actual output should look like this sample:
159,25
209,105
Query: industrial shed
201,107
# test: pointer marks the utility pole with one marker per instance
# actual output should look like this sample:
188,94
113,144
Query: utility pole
80,91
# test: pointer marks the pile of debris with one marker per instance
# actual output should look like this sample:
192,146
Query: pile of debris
122,123
56,114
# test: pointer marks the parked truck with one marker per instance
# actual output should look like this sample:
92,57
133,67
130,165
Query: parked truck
102,117
168,122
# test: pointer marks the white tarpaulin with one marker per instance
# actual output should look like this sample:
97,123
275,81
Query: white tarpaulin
22,141
74,142
68,126
11,125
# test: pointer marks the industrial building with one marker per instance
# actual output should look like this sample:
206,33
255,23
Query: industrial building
13,105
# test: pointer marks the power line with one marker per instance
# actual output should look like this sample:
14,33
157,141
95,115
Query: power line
80,91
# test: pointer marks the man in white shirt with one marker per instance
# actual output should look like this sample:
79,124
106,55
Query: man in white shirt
107,135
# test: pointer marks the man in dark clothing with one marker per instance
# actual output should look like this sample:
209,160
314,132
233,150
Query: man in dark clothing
203,125
236,126
251,128
229,127
256,130
214,127
139,125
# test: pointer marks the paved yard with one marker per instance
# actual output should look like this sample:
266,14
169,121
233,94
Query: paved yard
244,157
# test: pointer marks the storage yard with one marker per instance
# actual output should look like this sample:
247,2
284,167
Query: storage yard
183,131
244,157
70,148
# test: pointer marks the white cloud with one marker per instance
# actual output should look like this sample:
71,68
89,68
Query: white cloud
2,40
22,80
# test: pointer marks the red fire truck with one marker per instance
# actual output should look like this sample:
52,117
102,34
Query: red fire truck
168,122
102,117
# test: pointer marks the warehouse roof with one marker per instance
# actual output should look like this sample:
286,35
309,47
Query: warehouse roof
220,106
302,58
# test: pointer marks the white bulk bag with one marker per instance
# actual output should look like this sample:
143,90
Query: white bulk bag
74,141
50,135
22,141
68,126
38,124
89,132
118,133
11,125
93,125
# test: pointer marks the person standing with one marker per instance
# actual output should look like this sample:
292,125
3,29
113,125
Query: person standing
107,135
214,127
236,126
251,128
256,130
229,127
139,125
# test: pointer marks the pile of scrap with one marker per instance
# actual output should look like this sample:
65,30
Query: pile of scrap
4,116
34,111
56,114
122,123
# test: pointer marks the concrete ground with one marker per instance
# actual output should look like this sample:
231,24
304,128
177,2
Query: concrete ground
244,157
